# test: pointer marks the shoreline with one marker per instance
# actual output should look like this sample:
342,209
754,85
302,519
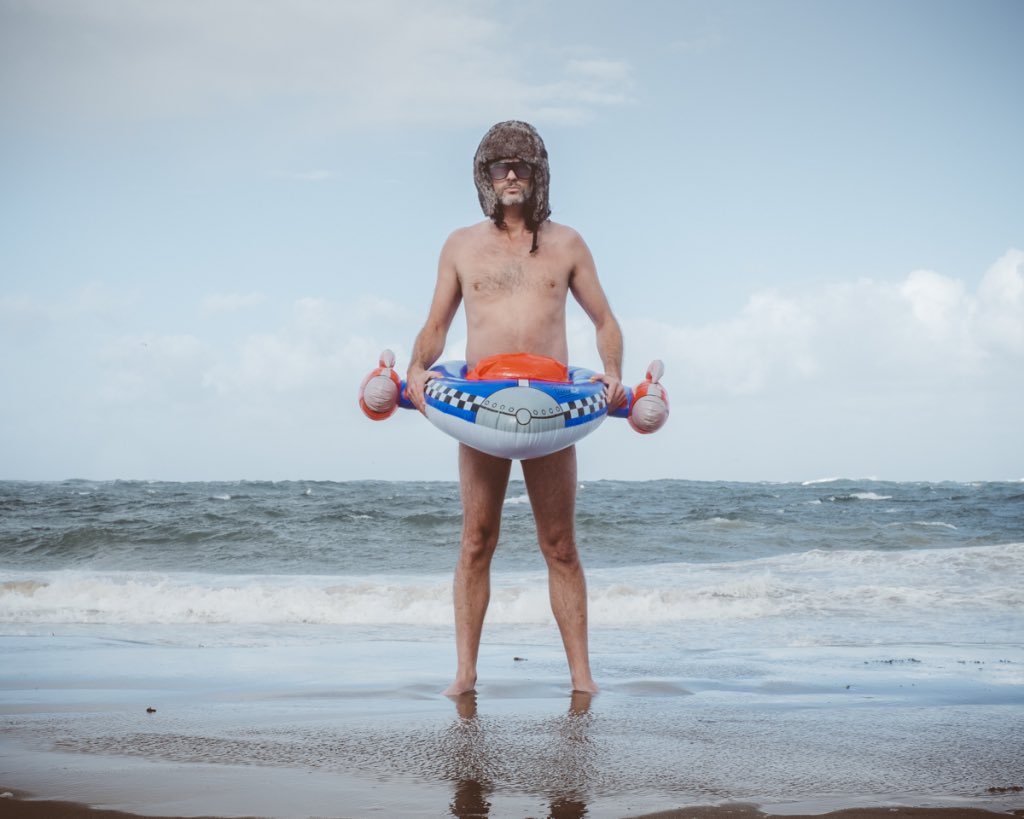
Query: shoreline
17,804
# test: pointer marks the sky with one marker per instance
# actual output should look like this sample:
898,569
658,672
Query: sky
214,216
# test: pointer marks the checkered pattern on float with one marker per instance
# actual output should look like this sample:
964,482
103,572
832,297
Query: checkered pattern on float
583,406
456,398
461,400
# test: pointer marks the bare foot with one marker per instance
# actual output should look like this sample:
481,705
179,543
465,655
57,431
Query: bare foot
585,686
460,687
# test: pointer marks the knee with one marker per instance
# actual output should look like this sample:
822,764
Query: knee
478,544
560,550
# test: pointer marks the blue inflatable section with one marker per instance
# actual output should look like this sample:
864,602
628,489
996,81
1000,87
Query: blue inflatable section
515,418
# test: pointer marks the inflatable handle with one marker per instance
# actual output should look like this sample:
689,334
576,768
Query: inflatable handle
648,406
622,410
379,393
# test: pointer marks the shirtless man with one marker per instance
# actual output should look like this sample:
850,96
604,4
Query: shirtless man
513,271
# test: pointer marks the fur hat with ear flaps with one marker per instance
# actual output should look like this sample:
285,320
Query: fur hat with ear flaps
514,140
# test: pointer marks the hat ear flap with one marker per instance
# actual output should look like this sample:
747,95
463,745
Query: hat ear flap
484,189
541,182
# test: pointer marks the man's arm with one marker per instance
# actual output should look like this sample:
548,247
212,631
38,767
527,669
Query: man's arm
430,341
587,290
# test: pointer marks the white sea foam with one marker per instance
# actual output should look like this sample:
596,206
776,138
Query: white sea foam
923,589
928,524
517,500
817,481
869,496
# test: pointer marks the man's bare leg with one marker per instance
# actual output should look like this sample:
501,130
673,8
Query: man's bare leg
551,484
483,479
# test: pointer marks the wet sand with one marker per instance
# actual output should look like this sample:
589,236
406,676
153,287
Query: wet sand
271,732
21,806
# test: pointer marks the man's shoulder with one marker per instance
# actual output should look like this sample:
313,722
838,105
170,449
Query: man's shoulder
469,233
561,235
557,229
480,228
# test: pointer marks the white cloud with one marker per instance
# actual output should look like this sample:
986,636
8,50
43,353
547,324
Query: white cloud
320,346
1001,305
327,64
150,369
916,333
936,301
770,342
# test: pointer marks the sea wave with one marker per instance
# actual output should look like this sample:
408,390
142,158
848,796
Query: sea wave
928,583
818,481
858,496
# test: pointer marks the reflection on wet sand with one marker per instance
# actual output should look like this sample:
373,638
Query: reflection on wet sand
564,748
470,800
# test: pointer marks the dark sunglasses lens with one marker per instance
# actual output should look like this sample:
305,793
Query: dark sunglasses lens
523,170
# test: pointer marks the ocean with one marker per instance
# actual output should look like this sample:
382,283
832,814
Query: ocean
851,561
735,595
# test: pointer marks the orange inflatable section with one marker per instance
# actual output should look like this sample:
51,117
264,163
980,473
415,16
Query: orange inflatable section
519,365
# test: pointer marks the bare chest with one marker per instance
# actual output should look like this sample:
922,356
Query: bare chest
501,275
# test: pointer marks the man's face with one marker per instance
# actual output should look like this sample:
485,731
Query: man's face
512,188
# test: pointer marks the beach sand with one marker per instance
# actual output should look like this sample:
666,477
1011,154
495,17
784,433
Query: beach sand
358,729
19,807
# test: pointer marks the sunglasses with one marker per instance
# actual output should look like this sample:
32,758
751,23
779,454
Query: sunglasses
499,170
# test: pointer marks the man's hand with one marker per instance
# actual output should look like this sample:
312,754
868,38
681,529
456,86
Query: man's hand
614,392
415,382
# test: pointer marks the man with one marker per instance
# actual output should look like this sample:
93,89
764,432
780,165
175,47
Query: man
513,271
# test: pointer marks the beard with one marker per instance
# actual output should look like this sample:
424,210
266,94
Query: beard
520,198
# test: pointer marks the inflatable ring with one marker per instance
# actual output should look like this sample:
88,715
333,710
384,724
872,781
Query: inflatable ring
515,406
